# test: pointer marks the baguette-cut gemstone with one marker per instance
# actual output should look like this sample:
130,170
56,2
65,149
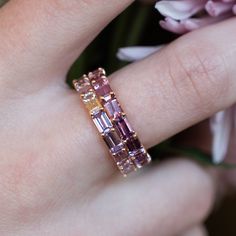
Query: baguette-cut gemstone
91,101
133,143
126,167
140,158
113,141
102,122
121,155
104,90
101,85
124,127
112,108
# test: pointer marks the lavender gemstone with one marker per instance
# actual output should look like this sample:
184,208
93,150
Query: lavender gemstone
126,167
124,127
121,156
102,121
140,158
112,108
133,144
113,141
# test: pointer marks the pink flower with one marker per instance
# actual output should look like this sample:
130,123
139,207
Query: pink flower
182,16
223,126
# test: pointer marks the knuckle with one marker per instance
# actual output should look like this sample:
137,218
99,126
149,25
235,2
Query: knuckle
199,73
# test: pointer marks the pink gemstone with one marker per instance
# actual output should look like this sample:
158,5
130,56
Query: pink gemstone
126,167
98,73
99,82
113,141
82,85
112,108
133,143
101,85
124,127
104,90
121,155
140,158
102,121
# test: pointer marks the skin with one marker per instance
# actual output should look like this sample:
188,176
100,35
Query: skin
56,177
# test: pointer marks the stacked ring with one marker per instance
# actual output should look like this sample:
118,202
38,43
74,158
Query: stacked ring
111,122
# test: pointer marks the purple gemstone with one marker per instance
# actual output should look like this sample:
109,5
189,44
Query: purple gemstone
133,143
104,90
102,121
126,167
112,108
124,127
121,155
113,141
140,158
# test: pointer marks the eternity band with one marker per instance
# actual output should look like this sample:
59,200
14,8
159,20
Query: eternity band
126,149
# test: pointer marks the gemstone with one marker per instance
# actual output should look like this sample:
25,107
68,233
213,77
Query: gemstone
82,85
121,155
101,85
104,90
87,97
113,141
91,101
133,143
140,158
98,73
112,108
123,126
99,82
102,122
126,167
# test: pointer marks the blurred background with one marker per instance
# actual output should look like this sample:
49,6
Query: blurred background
138,25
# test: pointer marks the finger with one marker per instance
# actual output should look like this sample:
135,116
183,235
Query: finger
48,35
181,85
196,231
165,201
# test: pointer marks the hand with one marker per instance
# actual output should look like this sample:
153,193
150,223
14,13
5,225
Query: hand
56,177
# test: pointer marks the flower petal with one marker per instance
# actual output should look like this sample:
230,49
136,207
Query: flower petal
221,126
136,53
180,10
218,8
174,26
195,23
